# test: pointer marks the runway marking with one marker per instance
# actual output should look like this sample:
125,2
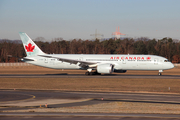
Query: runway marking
42,102
32,97
141,101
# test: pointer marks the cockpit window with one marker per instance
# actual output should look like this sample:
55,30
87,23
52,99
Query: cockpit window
166,60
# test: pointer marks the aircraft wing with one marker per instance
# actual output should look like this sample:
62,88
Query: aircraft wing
83,64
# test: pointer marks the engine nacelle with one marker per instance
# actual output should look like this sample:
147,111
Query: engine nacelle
105,68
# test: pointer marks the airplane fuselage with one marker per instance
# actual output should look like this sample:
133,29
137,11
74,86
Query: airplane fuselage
120,62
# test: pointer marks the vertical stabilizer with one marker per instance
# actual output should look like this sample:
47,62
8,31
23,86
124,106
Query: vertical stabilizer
30,47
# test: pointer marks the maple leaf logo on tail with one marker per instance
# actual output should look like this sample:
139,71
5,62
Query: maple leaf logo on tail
29,47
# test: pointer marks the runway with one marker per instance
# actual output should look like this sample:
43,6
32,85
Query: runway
65,75
11,95
86,116
19,96
15,97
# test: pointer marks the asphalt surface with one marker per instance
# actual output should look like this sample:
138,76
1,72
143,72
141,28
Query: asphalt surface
31,95
11,95
95,98
86,116
65,75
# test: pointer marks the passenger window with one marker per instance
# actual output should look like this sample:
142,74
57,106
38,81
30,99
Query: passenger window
166,60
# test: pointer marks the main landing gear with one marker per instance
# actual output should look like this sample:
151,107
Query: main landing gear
92,73
89,72
160,71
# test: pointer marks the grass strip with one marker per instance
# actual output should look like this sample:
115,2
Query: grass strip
92,84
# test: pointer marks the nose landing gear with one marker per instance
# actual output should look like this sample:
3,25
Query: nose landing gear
160,71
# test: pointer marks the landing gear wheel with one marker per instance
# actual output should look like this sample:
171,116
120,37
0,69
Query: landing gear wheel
91,73
160,71
159,74
96,73
87,73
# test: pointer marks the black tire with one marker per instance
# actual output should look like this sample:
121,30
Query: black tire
87,73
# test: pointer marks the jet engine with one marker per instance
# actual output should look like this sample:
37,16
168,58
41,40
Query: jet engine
105,68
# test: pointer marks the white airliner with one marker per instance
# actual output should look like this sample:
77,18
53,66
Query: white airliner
93,63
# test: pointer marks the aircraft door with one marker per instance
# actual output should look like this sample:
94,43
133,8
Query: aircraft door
52,61
81,59
155,61
46,60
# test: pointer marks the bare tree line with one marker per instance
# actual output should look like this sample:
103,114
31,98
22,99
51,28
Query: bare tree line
166,47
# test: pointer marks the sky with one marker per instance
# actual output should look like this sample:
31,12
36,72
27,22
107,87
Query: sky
78,19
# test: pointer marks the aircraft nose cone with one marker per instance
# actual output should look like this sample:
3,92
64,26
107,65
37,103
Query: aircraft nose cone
171,65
